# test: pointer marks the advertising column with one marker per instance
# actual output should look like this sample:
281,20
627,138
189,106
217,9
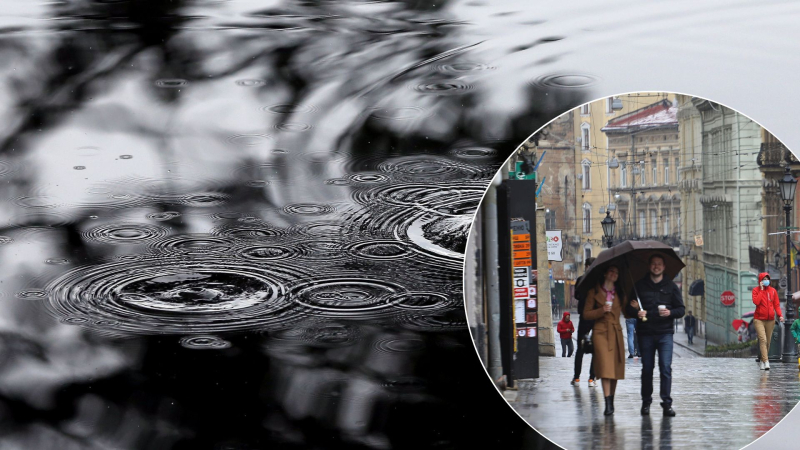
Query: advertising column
518,279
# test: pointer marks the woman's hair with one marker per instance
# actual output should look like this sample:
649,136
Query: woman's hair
617,285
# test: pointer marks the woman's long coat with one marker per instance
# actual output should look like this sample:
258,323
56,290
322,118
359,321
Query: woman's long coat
609,349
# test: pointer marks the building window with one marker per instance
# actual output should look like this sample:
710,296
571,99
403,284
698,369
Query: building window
666,171
654,222
585,141
667,225
587,252
623,175
550,220
587,218
677,165
609,105
642,176
655,171
587,176
585,110
642,224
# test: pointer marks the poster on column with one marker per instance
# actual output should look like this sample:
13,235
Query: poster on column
555,245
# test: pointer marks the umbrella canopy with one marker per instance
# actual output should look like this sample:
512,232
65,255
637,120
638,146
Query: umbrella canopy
748,314
632,258
738,323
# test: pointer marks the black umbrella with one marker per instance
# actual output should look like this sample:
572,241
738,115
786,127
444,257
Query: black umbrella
632,258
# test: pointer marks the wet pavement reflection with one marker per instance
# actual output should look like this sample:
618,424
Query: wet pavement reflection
720,403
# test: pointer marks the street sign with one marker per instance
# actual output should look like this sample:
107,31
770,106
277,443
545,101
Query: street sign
728,298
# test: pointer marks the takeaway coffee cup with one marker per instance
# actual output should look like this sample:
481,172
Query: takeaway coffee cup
662,307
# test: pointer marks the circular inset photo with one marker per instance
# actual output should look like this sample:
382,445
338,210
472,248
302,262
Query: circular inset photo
630,272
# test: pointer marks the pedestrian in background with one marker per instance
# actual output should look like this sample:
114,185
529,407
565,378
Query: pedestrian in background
767,302
795,329
604,304
633,341
584,326
662,303
688,325
565,330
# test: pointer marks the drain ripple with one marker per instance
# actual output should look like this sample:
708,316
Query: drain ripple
176,296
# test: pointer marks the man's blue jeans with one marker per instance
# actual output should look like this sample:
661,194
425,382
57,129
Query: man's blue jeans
649,345
633,343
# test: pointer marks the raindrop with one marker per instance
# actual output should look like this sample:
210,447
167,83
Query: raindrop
461,68
204,200
443,88
421,300
204,342
250,140
309,209
164,216
171,83
35,202
566,81
5,240
126,233
32,294
399,345
250,82
257,183
368,178
125,156
345,296
56,261
267,252
293,127
380,250
473,152
400,113
198,244
249,232
79,167
290,109
338,182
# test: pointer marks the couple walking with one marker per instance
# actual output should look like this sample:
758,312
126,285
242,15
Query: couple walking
661,303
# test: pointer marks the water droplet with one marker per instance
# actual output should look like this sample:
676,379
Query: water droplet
79,167
567,81
171,83
204,343
125,156
250,82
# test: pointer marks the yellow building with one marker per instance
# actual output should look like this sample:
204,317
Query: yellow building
598,172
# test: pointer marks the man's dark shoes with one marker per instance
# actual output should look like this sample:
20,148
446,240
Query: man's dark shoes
630,356
668,411
645,409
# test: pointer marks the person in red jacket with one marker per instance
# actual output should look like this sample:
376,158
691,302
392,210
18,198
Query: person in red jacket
565,330
765,297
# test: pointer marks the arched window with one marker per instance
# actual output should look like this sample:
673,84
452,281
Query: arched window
585,137
623,175
586,173
587,251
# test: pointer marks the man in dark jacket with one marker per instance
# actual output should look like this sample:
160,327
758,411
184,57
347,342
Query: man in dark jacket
584,327
662,304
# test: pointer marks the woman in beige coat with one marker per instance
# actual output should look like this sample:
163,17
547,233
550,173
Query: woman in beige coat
604,305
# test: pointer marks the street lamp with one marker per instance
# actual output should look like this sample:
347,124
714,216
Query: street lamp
608,228
788,187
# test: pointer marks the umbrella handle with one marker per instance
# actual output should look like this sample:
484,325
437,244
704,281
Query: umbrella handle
644,319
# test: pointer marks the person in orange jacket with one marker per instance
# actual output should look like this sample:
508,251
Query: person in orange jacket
767,302
565,330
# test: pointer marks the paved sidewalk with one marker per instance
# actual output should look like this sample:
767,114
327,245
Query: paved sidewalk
726,402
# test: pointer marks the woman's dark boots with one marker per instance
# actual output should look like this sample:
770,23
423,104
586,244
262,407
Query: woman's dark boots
609,406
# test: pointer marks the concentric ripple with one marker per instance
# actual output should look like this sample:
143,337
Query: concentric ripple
346,296
443,88
126,233
164,216
308,209
566,81
193,244
429,169
261,231
250,82
267,252
5,240
32,294
368,178
204,343
380,250
293,127
176,295
474,152
250,140
290,109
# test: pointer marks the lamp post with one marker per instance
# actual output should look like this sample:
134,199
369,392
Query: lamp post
788,186
608,228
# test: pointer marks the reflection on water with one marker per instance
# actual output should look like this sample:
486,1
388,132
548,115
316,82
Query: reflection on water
232,225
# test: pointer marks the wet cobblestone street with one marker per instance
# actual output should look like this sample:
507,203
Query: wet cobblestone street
727,402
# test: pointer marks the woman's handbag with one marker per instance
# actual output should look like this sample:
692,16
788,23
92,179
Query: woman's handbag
588,345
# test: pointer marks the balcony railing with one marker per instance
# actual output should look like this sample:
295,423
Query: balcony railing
773,153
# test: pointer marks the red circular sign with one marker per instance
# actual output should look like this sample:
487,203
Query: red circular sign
727,298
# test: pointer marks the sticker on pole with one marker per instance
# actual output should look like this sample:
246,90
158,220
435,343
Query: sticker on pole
555,245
